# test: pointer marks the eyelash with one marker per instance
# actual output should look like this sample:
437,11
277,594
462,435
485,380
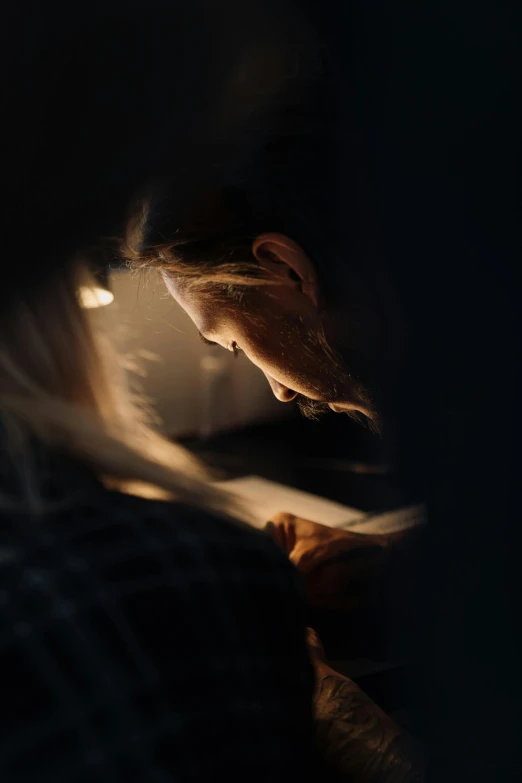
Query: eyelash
204,340
234,347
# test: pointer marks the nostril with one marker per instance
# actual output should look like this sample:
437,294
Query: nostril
282,393
287,395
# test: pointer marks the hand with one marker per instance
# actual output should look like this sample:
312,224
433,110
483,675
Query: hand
354,735
318,655
315,648
341,569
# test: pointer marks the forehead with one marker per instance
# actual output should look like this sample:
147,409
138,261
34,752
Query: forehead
188,297
208,312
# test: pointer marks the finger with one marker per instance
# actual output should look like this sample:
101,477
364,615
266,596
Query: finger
314,644
277,533
312,638
281,517
270,528
282,528
309,553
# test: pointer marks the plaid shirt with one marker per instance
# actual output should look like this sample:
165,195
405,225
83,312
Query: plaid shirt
144,641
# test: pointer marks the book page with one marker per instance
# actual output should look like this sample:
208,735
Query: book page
264,498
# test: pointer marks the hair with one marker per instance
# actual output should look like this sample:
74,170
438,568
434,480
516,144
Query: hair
99,107
282,179
285,180
61,383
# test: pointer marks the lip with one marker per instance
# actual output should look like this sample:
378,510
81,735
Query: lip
345,407
341,408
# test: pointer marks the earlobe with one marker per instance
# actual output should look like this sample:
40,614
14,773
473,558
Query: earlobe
281,256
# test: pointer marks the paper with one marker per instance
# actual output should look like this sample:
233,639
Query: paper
389,522
264,498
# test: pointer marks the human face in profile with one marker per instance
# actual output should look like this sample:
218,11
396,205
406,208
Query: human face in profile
279,328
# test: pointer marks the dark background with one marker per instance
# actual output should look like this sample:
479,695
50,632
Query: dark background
431,91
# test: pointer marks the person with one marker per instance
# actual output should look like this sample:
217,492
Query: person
364,258
133,629
111,105
142,619
260,265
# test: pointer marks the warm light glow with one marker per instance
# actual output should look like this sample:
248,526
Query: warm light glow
95,297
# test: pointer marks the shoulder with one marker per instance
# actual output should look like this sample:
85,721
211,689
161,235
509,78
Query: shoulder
195,534
99,526
121,535
157,566
173,610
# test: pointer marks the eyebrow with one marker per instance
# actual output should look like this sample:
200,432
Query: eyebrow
204,340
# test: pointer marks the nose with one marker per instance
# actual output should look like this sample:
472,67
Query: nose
282,393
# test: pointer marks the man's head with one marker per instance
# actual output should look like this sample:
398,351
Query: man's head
279,324
316,330
272,260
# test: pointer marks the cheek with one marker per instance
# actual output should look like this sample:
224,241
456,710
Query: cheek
285,346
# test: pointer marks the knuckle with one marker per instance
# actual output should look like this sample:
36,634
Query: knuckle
281,518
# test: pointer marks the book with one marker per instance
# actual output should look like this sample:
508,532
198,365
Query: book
264,498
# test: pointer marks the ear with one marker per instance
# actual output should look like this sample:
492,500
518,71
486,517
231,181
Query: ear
281,256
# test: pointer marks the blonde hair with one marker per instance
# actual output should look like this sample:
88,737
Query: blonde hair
61,382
